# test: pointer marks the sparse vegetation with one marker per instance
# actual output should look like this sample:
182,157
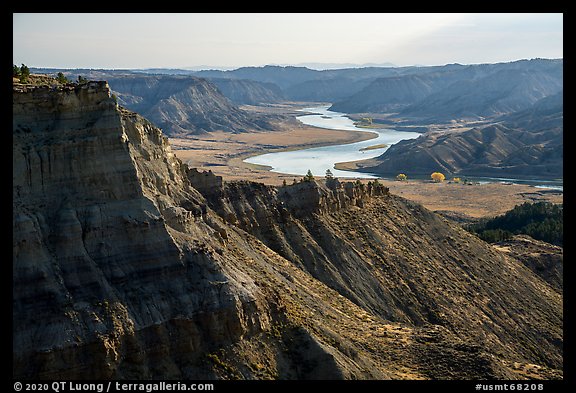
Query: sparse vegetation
401,177
225,367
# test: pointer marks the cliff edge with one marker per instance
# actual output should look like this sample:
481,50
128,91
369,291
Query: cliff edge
123,269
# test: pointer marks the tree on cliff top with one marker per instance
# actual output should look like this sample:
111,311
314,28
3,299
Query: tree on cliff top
22,72
61,78
309,176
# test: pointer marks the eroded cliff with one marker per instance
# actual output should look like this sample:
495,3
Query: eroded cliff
403,263
99,279
127,264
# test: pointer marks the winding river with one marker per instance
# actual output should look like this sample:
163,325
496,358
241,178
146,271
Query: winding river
319,159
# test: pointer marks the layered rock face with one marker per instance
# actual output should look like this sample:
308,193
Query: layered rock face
127,264
183,105
403,263
493,151
100,283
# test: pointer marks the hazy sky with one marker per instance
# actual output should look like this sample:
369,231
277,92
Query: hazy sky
236,40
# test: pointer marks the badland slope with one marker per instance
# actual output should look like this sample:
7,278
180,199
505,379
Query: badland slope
183,105
128,264
523,144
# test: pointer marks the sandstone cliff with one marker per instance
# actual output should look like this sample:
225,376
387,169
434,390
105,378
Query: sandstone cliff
100,281
127,264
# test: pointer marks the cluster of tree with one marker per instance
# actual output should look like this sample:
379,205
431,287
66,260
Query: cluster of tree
310,177
21,73
60,77
541,220
437,177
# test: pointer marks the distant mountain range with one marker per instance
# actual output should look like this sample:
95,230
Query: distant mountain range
474,91
523,144
435,93
248,92
521,100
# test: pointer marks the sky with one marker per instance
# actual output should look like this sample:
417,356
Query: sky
232,40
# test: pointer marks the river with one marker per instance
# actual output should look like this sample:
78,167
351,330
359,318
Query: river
319,159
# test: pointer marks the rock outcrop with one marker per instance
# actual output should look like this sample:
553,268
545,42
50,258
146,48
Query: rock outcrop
129,265
544,259
183,105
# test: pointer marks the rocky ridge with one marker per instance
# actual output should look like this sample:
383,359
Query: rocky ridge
544,259
525,144
184,105
440,94
128,264
247,92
